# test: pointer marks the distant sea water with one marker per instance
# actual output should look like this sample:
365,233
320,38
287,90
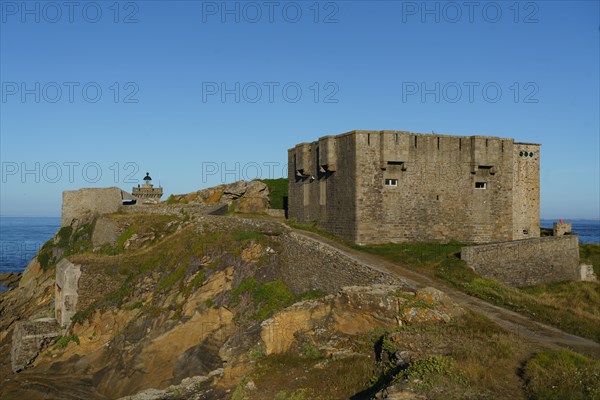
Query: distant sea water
587,229
20,239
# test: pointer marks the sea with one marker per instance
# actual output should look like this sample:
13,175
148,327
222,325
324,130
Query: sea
21,237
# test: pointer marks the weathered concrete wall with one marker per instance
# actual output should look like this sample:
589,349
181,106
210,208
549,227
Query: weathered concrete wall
526,262
85,203
470,188
66,291
321,184
310,264
29,338
526,191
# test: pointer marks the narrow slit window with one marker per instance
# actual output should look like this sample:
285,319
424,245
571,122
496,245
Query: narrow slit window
480,185
391,182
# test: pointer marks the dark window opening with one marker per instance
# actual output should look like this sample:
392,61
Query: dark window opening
480,185
438,143
395,162
396,137
369,139
415,141
391,182
459,144
525,232
129,202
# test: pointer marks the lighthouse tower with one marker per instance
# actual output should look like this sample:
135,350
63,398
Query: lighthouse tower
147,193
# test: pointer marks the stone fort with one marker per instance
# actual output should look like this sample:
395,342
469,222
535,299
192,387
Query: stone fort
396,186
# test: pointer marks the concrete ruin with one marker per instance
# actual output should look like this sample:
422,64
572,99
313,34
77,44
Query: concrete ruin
29,338
66,295
91,202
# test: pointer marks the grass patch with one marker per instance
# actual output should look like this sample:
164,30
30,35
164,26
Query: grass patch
312,227
268,298
278,190
562,374
571,306
64,341
432,371
589,253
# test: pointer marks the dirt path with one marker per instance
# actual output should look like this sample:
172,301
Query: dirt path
534,331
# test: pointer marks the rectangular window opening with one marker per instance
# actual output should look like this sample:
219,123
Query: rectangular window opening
525,231
480,185
391,182
396,137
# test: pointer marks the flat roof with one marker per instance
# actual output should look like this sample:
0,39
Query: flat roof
353,132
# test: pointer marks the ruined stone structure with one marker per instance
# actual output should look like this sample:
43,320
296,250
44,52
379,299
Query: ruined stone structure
88,203
65,291
395,186
561,228
147,192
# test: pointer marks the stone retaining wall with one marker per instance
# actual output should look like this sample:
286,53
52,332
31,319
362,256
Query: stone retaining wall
526,262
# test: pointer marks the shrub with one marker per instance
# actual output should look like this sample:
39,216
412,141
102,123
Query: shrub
562,374
431,370
63,341
278,189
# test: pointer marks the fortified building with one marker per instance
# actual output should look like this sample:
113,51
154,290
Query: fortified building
396,186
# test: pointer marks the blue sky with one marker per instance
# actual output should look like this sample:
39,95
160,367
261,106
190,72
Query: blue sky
199,93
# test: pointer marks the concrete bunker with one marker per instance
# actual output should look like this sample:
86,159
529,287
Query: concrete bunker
66,296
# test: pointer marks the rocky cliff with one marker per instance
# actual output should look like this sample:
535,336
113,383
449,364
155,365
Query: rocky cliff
178,305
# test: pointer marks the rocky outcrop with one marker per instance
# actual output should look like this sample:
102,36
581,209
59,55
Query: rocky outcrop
29,338
241,196
354,310
10,279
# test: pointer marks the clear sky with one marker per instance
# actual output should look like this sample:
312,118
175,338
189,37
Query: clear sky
95,94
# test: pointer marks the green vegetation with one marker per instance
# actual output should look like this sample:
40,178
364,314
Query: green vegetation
311,351
267,297
278,189
561,374
65,242
432,371
312,227
174,260
570,306
64,341
171,200
590,254
467,358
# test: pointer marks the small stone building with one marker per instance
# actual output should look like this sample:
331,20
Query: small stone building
397,186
